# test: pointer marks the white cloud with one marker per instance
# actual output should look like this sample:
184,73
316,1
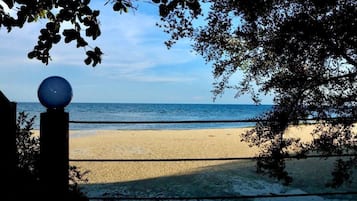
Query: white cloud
134,45
130,42
135,61
158,78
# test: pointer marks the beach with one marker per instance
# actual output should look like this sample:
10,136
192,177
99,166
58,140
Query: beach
155,144
159,144
185,178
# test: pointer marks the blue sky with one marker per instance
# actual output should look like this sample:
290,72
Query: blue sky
136,65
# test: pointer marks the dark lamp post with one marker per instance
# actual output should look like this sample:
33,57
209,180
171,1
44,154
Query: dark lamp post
55,93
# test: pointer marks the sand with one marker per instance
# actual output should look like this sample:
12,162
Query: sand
204,178
154,144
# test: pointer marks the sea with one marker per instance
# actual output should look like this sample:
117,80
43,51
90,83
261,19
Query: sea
151,112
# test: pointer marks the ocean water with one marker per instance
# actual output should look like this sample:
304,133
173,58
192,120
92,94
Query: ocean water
151,112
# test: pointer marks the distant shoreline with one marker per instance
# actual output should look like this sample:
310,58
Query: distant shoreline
147,103
129,112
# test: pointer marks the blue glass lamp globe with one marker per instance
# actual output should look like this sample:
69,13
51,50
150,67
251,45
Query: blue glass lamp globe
55,92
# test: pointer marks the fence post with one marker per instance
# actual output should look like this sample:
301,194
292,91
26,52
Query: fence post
55,93
54,152
8,146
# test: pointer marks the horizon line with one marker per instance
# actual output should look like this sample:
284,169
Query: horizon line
167,103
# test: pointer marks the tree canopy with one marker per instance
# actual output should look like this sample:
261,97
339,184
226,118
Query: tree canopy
304,52
77,13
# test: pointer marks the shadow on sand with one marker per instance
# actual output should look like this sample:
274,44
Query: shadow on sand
229,179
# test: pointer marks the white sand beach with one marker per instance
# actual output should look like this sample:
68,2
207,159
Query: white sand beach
155,144
184,178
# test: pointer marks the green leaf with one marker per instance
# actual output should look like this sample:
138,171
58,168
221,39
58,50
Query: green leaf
98,51
163,10
88,60
81,42
96,13
117,6
56,38
32,54
30,19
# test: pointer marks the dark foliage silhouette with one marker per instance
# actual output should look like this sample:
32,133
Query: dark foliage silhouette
28,149
304,53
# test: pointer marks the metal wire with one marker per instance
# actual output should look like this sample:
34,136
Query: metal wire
164,122
206,159
195,121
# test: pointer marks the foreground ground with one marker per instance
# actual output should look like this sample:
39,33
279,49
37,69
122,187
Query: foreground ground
202,178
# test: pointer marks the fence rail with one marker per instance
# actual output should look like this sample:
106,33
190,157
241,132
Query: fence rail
235,197
166,122
207,159
201,121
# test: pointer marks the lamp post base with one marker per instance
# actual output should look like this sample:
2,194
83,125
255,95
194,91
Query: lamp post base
54,153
